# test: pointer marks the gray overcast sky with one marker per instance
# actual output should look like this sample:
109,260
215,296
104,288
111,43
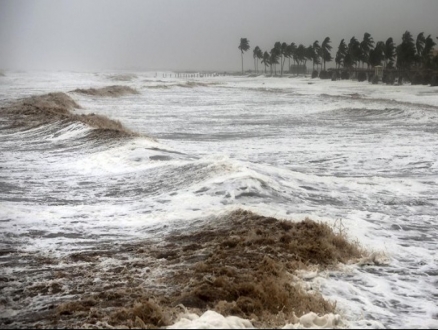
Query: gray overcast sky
189,34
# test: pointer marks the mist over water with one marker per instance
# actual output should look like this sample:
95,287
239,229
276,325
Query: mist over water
362,153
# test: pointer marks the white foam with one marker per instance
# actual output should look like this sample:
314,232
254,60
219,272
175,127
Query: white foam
275,146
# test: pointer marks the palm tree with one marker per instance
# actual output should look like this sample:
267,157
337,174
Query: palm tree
317,52
275,54
259,56
389,53
244,46
284,55
309,54
266,60
419,46
300,55
254,55
427,51
342,51
325,46
354,51
365,46
376,55
406,52
292,51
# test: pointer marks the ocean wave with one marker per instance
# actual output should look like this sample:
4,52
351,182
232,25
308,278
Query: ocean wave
192,84
49,108
239,263
373,100
122,77
413,114
111,91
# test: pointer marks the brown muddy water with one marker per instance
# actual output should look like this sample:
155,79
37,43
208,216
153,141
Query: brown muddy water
243,264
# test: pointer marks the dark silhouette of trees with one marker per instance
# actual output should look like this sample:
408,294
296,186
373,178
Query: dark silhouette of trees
244,46
426,56
293,52
290,52
411,53
259,56
300,53
419,46
284,54
266,60
255,54
326,48
353,52
406,52
376,55
341,53
365,46
274,57
317,52
389,53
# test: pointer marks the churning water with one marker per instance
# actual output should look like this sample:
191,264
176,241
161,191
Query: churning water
285,147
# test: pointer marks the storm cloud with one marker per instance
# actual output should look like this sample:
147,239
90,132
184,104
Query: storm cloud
190,34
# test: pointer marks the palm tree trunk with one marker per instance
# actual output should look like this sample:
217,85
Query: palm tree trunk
242,63
282,65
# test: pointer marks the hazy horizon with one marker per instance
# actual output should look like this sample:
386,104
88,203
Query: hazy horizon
188,35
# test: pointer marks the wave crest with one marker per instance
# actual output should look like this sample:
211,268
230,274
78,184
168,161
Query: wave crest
48,108
109,91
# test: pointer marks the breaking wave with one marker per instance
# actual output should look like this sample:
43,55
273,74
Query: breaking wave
49,108
110,91
122,77
255,273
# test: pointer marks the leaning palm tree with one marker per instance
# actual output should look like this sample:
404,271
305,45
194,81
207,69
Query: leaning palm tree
266,60
389,53
284,54
292,50
309,54
406,52
300,55
365,46
275,55
376,55
317,52
419,46
244,46
325,46
427,51
255,56
353,51
342,51
259,56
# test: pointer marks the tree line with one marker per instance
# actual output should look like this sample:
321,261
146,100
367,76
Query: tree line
409,54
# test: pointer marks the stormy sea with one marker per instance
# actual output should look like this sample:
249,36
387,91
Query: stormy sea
139,199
